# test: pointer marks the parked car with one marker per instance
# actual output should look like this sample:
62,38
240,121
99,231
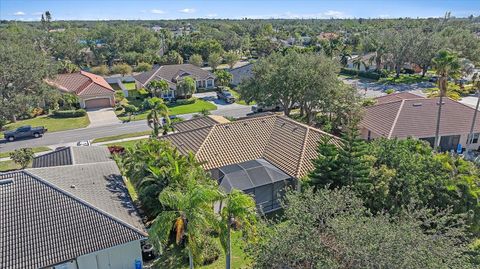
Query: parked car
226,96
25,131
83,143
172,117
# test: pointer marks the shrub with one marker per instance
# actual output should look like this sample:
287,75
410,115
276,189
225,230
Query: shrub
129,109
116,149
210,252
100,70
22,157
143,67
122,69
69,113
363,74
119,96
389,91
37,112
181,102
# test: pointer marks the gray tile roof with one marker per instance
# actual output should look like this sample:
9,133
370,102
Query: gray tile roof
73,155
54,158
241,73
171,73
42,225
99,184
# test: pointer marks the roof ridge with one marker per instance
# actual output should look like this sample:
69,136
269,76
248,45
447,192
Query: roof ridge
72,157
206,138
396,119
308,126
153,74
187,131
302,155
85,203
70,165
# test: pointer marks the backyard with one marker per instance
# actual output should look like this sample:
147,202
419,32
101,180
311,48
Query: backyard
53,124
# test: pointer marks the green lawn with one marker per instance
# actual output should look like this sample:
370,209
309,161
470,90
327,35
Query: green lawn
237,98
51,123
8,165
129,85
198,106
126,144
403,79
239,259
122,136
35,150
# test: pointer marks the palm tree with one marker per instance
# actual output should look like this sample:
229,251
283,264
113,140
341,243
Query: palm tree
476,86
358,62
157,87
188,216
158,110
447,65
239,213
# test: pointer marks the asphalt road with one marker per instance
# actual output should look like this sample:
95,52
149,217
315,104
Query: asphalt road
72,136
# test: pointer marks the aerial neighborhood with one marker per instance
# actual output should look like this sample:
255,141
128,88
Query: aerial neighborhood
197,134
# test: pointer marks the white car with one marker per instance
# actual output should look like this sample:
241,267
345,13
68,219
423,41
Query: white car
83,143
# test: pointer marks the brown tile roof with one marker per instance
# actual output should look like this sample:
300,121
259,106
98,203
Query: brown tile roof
174,72
81,83
198,123
289,145
417,118
395,97
41,225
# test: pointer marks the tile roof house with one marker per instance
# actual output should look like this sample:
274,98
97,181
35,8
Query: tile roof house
405,115
173,74
272,140
92,91
74,215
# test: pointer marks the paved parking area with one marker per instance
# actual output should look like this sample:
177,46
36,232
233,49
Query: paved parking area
102,117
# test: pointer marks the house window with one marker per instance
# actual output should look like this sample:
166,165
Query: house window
475,138
369,135
209,83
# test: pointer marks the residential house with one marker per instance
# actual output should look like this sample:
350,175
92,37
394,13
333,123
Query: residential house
173,74
259,155
241,73
92,90
71,211
403,115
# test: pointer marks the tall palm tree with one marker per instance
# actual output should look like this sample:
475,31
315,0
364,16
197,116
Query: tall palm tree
239,213
476,86
158,110
447,65
188,216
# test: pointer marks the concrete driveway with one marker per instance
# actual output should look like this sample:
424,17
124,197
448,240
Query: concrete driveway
102,117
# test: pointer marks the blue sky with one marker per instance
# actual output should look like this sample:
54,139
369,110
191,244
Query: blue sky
177,9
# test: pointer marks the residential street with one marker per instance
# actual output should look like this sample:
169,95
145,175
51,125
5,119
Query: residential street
72,136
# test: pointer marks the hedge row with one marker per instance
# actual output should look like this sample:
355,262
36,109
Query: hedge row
363,74
189,101
69,113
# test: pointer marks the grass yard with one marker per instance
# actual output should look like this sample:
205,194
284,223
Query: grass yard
129,85
403,79
122,136
237,98
239,258
126,144
35,150
8,165
51,123
196,107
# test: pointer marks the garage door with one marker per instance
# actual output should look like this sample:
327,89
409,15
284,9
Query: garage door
97,103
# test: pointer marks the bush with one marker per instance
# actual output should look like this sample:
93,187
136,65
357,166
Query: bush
363,74
389,91
22,156
129,109
119,96
69,113
143,67
116,149
100,70
122,69
181,102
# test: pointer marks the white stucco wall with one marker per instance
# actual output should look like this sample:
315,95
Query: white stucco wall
118,257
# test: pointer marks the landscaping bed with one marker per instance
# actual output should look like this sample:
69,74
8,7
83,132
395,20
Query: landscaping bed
404,79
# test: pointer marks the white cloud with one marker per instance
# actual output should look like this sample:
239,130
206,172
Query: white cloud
188,10
19,13
384,16
334,14
157,11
